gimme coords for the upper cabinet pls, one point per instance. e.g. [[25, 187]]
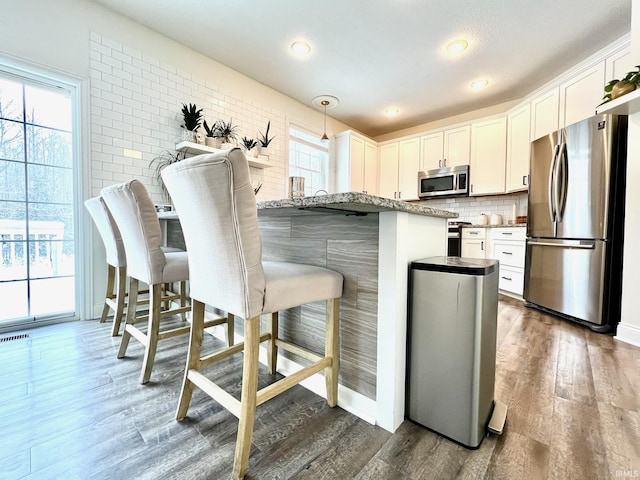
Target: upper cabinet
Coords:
[[356, 164], [518, 148], [544, 113], [389, 170], [488, 157], [580, 95], [432, 151], [618, 64], [408, 167], [457, 144]]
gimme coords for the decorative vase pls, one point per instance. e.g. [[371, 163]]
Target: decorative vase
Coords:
[[212, 142], [188, 136], [622, 88], [263, 150]]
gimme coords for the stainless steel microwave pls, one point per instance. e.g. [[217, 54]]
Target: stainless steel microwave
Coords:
[[444, 181]]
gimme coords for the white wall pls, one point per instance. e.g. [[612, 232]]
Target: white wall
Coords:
[[629, 327]]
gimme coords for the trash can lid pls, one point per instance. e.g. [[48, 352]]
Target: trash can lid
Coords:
[[459, 265]]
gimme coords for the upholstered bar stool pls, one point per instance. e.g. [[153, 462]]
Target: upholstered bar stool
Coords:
[[137, 220], [217, 207], [116, 262]]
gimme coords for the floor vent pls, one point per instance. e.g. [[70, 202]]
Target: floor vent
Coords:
[[14, 337]]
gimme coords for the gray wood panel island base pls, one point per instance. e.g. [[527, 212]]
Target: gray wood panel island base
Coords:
[[371, 242]]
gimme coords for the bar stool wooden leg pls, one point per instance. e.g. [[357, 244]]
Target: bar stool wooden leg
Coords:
[[121, 294], [183, 299], [272, 350], [248, 398], [111, 274], [193, 357], [332, 350], [230, 329], [131, 316], [155, 307]]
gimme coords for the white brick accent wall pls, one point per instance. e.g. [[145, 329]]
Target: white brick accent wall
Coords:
[[136, 102]]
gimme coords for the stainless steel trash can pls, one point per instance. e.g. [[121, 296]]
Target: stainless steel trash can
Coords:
[[451, 346]]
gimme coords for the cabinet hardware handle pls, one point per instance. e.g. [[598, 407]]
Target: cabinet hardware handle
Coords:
[[364, 191], [524, 180], [481, 245], [395, 194], [439, 163], [472, 188], [399, 194], [473, 233], [445, 162], [507, 233], [507, 253], [507, 278]]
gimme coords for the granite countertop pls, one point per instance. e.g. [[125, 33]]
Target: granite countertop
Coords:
[[343, 203], [348, 202], [496, 226]]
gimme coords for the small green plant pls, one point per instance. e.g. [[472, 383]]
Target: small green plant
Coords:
[[227, 131], [211, 131], [163, 160], [264, 139], [191, 116], [617, 88], [248, 143]]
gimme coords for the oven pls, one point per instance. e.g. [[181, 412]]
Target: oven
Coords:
[[454, 238]]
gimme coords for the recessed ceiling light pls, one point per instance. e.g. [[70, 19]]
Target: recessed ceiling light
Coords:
[[301, 48], [457, 46], [479, 84], [391, 111]]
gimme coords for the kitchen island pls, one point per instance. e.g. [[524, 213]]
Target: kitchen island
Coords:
[[371, 241]]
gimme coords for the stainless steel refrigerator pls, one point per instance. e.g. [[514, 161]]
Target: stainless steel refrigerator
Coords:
[[575, 222]]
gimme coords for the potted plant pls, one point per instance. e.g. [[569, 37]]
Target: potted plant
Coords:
[[227, 134], [192, 119], [213, 136], [249, 144], [617, 88], [165, 159], [265, 140]]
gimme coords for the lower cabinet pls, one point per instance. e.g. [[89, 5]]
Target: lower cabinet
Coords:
[[474, 242], [508, 247]]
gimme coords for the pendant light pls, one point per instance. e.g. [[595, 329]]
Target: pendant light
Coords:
[[324, 102]]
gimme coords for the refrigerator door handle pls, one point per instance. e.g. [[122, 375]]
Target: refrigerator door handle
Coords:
[[579, 244], [561, 181], [551, 186]]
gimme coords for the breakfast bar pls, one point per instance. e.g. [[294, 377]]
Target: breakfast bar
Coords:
[[371, 241]]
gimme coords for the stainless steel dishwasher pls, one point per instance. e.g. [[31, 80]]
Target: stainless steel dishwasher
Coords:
[[451, 346]]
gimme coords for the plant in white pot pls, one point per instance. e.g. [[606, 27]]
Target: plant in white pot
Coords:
[[228, 134], [249, 145], [265, 140], [191, 121], [213, 135]]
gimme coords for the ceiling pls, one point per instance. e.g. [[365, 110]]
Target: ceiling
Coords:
[[373, 54]]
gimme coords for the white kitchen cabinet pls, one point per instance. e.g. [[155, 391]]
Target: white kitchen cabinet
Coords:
[[618, 65], [474, 242], [399, 165], [457, 146], [488, 156], [544, 113], [389, 170], [518, 148], [580, 95], [356, 163], [432, 151], [507, 245], [408, 167]]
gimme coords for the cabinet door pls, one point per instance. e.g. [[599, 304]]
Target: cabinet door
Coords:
[[473, 248], [618, 64], [457, 144], [518, 148], [544, 113], [431, 153], [488, 156], [389, 170], [370, 169], [408, 166], [357, 165], [580, 95]]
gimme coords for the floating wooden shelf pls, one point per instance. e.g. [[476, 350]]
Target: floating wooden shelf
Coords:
[[197, 148]]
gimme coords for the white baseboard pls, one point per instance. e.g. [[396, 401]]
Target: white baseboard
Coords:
[[628, 334], [349, 400]]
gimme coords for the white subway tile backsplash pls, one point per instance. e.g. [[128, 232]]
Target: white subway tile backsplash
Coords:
[[469, 208]]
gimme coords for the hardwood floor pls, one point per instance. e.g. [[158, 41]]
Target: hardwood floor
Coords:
[[70, 409]]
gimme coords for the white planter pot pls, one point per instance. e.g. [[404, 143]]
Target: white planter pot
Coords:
[[188, 135], [212, 142]]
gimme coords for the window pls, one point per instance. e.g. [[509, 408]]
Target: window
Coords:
[[308, 158]]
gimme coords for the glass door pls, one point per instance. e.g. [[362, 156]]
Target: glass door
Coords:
[[37, 263]]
